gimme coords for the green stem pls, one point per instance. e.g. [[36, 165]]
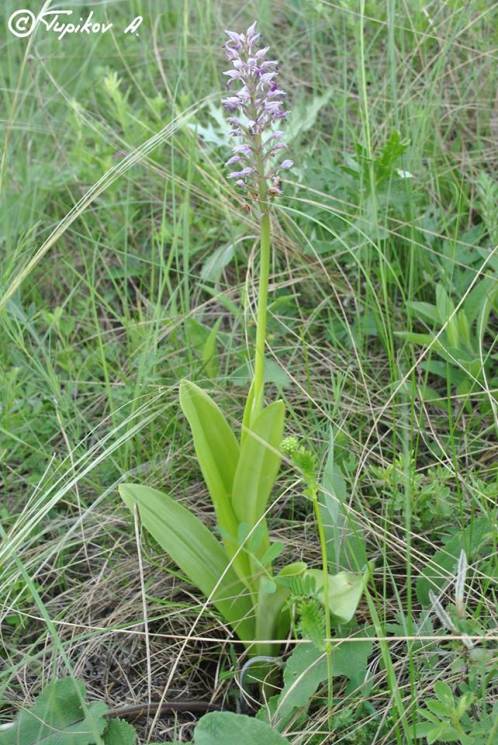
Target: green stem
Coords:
[[262, 313], [258, 383], [328, 625]]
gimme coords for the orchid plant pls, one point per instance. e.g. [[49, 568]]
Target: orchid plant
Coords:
[[234, 570]]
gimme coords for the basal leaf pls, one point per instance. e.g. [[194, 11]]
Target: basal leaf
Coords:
[[226, 728], [442, 370], [217, 451], [59, 716], [480, 297], [215, 443], [447, 316], [427, 311], [463, 329], [456, 355], [119, 732], [196, 551], [452, 332], [413, 338], [258, 464], [444, 304]]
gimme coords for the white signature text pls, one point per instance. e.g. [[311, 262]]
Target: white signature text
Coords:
[[23, 22]]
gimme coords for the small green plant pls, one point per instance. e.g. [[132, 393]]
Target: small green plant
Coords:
[[476, 540], [456, 718], [306, 670], [456, 336], [448, 719], [240, 469], [432, 498], [62, 716]]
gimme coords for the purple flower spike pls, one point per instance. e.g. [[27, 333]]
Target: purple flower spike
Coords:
[[241, 174], [257, 106]]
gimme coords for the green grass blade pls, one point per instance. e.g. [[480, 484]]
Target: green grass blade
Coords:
[[344, 537]]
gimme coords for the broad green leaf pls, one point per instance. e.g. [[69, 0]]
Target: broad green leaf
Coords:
[[489, 304], [304, 114], [442, 567], [444, 304], [487, 190], [119, 732], [452, 333], [196, 551], [217, 451], [306, 670], [345, 542], [258, 464], [272, 553], [216, 130], [215, 443], [296, 569], [413, 338], [274, 373], [344, 592], [427, 311], [423, 729], [196, 334], [226, 728], [437, 708], [429, 715], [464, 387], [216, 262], [480, 297], [463, 329], [443, 370], [59, 716], [332, 477], [462, 360], [432, 397], [384, 163]]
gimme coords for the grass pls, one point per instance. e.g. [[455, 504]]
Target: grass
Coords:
[[123, 244]]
